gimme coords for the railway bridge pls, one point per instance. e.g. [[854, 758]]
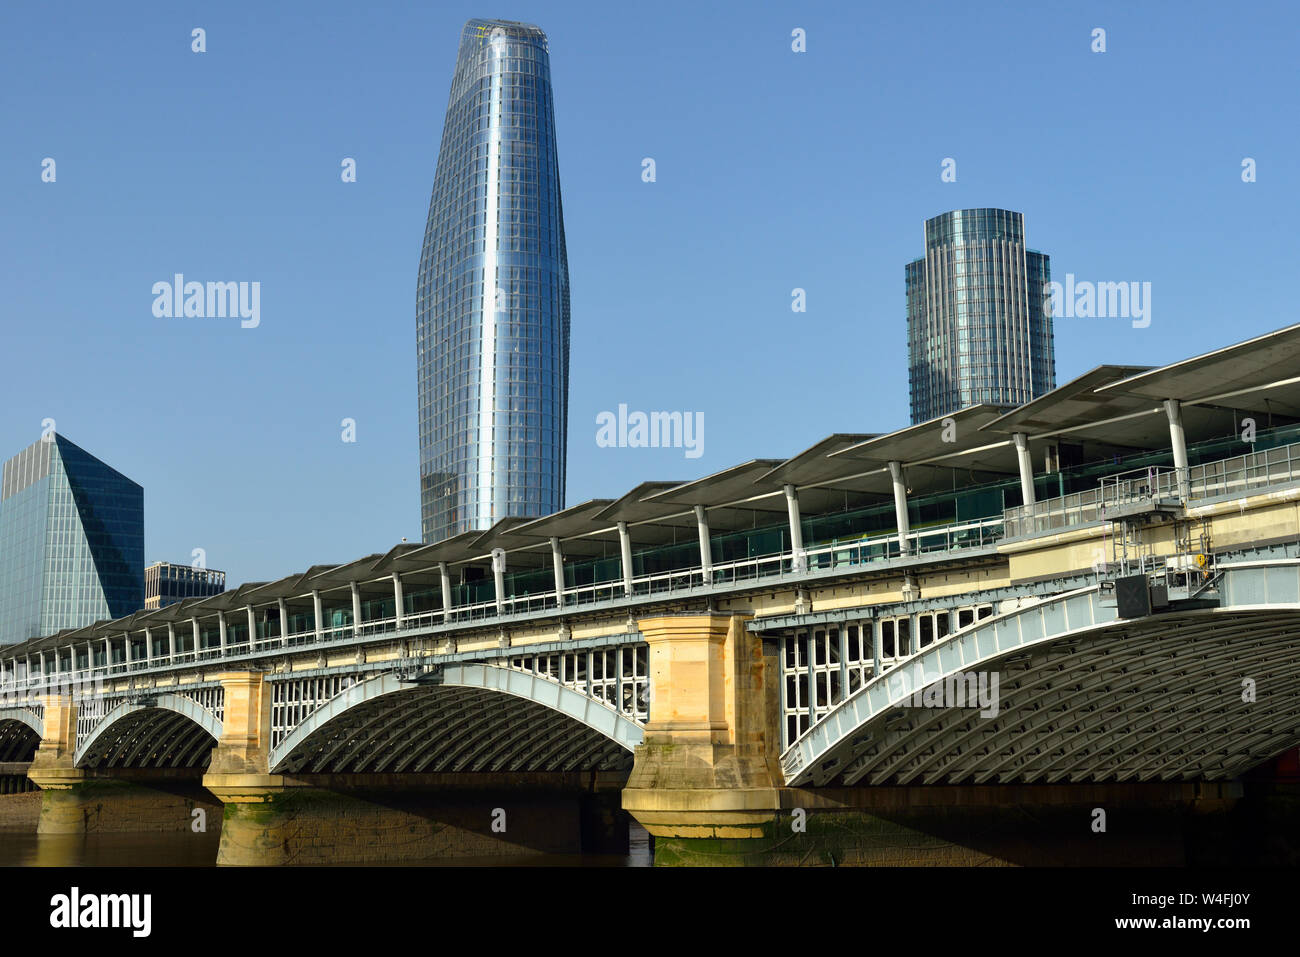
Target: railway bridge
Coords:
[[953, 643]]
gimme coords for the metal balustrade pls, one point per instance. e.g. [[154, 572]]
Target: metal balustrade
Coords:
[[827, 557], [1230, 476]]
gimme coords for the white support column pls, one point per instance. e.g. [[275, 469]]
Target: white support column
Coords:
[[171, 640], [706, 550], [1178, 442], [252, 628], [399, 603], [900, 506], [1026, 467], [625, 549], [317, 612], [499, 579], [284, 619], [221, 629], [126, 646], [195, 623], [557, 568], [148, 648], [108, 655], [445, 575], [356, 608], [796, 527]]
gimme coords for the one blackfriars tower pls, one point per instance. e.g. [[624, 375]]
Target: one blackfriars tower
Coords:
[[979, 323], [492, 300]]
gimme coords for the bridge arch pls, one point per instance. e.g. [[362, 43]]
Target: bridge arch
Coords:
[[462, 717], [159, 731], [1084, 696], [21, 731]]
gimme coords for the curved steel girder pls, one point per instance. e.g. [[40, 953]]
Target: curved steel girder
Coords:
[[92, 749], [538, 699], [481, 723], [18, 739], [23, 716], [1151, 682], [1115, 672], [377, 718], [934, 738], [452, 711]]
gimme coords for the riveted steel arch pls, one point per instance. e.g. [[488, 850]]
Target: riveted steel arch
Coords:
[[431, 732], [1085, 695], [21, 731], [182, 735], [24, 716]]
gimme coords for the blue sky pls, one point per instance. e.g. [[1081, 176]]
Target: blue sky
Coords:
[[775, 170]]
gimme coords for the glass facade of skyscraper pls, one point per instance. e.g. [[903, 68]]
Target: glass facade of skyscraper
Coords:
[[492, 299], [979, 324], [71, 541]]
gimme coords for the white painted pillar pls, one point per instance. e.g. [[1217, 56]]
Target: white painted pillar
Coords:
[[1026, 467], [1178, 442], [317, 612], [499, 579], [557, 568], [445, 575], [284, 618], [171, 640], [148, 647], [108, 655], [399, 604], [796, 527], [252, 628], [706, 550], [221, 629], [625, 549], [126, 642], [195, 623], [900, 506], [356, 608]]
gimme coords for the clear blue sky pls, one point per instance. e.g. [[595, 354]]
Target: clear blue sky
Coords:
[[775, 170]]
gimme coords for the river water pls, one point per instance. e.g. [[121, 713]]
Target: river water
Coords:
[[184, 849]]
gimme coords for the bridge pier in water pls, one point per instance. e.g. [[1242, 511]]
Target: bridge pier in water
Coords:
[[708, 787], [393, 818], [80, 801]]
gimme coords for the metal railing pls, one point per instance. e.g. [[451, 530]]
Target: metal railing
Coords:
[[1230, 476], [832, 556]]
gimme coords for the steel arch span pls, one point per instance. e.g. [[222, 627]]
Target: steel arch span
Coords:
[[21, 730], [460, 718], [160, 731], [1082, 695]]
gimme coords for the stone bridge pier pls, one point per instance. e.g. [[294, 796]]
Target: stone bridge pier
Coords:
[[79, 800], [307, 817]]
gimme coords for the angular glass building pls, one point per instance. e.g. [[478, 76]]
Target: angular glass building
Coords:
[[71, 541], [492, 299], [979, 324]]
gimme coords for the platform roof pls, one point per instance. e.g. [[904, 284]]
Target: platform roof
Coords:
[[1109, 409]]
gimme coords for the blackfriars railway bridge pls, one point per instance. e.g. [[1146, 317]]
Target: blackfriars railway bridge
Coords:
[[759, 665]]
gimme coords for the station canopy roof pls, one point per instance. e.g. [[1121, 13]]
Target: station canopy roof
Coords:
[[1112, 409]]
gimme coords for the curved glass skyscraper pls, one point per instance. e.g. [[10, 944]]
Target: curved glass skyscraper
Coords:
[[979, 327], [492, 300]]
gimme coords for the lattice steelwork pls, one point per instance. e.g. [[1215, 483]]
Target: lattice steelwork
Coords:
[[620, 677], [212, 698], [823, 666], [294, 699], [492, 299], [91, 711]]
